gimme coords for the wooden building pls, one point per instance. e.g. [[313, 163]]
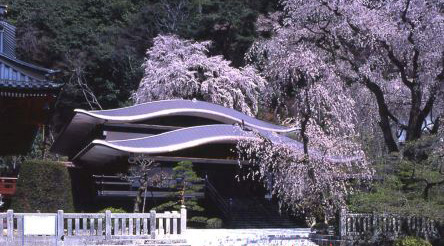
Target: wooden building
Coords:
[[102, 143], [27, 94]]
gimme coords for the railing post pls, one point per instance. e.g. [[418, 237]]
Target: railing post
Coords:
[[343, 223], [10, 224], [107, 225], [153, 224], [60, 226], [183, 219], [375, 224], [167, 223]]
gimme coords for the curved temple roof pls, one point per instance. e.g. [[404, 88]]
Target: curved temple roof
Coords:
[[156, 109], [101, 151], [166, 142], [78, 132]]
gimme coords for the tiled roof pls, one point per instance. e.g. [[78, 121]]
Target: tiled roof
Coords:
[[29, 85], [9, 41], [27, 65]]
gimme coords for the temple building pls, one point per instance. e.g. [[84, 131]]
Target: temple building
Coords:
[[27, 94], [101, 143]]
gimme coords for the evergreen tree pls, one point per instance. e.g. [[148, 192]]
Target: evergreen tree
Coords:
[[186, 186]]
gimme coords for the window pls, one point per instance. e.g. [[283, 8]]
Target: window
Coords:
[[1, 38], [7, 72]]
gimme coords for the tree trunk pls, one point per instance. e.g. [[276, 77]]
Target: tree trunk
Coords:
[[384, 124], [306, 115], [415, 118], [304, 134], [384, 115], [436, 125], [138, 199]]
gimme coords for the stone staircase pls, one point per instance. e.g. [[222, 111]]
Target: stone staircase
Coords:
[[253, 213], [244, 210]]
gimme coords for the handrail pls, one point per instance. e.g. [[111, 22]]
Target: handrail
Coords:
[[107, 177], [108, 184], [8, 178], [218, 199], [354, 225]]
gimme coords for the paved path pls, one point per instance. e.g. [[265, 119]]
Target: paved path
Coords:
[[243, 237]]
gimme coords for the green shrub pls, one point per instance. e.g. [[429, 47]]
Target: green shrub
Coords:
[[44, 186], [411, 241], [321, 228], [113, 210], [197, 221], [214, 223]]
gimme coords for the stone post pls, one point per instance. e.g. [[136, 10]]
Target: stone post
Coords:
[[153, 224], [183, 219], [10, 224], [60, 226], [107, 225], [343, 223], [375, 224]]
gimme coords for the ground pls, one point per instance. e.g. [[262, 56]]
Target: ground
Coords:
[[238, 237]]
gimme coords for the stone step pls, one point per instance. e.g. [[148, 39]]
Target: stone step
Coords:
[[150, 244], [260, 227], [259, 218], [250, 237], [262, 223], [253, 213], [265, 222], [259, 222], [147, 242]]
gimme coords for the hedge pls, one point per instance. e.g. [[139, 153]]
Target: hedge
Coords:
[[411, 241], [44, 186]]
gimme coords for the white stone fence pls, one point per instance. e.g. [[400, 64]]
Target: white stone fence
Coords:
[[356, 226], [74, 228]]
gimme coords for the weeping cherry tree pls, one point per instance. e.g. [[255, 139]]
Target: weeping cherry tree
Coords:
[[178, 68], [390, 53]]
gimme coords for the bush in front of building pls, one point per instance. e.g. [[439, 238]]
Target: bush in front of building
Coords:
[[44, 186], [214, 223], [411, 241], [113, 210]]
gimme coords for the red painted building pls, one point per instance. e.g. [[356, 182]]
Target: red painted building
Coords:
[[27, 95]]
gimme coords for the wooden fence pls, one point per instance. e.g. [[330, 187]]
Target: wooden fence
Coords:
[[89, 228], [355, 226]]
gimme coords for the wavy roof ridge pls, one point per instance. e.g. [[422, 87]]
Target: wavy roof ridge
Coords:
[[183, 107]]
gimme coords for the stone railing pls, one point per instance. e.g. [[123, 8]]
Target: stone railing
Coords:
[[356, 226], [90, 228], [220, 202]]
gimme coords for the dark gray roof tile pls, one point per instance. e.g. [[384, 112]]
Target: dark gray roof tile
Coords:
[[29, 85]]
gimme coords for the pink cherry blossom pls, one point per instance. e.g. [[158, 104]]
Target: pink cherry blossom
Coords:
[[178, 68]]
